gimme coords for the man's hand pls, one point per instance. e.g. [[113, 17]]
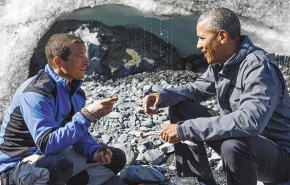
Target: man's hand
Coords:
[[104, 155], [169, 133], [101, 108], [149, 101]]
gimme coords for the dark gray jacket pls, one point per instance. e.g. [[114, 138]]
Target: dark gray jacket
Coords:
[[251, 93]]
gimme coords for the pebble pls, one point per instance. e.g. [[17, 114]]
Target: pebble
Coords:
[[114, 115]]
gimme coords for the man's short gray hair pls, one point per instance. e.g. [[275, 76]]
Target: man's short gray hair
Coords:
[[222, 19]]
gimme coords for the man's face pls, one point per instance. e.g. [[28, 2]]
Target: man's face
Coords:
[[76, 64], [209, 44]]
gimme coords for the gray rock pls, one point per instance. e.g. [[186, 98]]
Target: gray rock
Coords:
[[129, 151], [140, 158], [141, 148], [144, 174], [155, 88], [139, 110], [96, 133], [167, 148], [219, 166], [157, 142], [146, 129], [123, 138], [148, 124], [164, 84], [106, 138], [155, 156], [115, 115], [172, 167], [133, 119]]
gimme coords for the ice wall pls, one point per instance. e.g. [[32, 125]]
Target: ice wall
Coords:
[[179, 31], [23, 23]]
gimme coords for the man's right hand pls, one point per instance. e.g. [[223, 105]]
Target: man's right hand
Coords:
[[103, 156], [149, 101], [101, 108]]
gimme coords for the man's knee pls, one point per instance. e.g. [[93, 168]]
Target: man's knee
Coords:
[[181, 107], [119, 156], [60, 168], [180, 111], [232, 149], [118, 160]]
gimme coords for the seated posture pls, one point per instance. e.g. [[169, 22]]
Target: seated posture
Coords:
[[44, 135], [251, 131]]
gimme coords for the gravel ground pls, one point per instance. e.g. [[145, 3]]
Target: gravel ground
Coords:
[[127, 117]]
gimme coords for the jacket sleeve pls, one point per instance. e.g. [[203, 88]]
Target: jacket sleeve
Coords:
[[38, 113], [202, 89], [87, 145], [261, 95]]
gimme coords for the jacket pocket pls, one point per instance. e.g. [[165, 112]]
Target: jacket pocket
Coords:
[[234, 94]]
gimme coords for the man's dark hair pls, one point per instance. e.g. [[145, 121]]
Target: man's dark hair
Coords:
[[58, 45], [222, 19]]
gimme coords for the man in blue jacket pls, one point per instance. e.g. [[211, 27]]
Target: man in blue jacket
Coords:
[[44, 136], [252, 131]]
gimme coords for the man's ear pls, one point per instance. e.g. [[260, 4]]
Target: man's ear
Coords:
[[223, 35], [57, 60]]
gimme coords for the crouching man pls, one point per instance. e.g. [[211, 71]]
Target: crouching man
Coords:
[[252, 131]]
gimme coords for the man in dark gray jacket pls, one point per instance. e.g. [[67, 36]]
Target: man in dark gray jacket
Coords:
[[252, 131]]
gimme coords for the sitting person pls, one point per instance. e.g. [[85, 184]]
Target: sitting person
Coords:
[[44, 136]]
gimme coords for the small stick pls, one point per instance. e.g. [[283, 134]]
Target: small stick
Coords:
[[143, 134]]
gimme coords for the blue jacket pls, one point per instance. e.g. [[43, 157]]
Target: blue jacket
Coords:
[[44, 117], [251, 93]]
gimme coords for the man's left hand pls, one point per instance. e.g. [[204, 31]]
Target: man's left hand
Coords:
[[169, 133]]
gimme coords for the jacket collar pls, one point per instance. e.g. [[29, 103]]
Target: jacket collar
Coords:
[[63, 82], [244, 49]]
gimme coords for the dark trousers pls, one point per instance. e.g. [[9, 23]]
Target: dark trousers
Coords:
[[245, 160]]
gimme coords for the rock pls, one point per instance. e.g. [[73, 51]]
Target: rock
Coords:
[[123, 138], [130, 154], [167, 148], [141, 174], [114, 115], [139, 110], [219, 166], [112, 51], [148, 124], [142, 148], [172, 167], [194, 62], [106, 138], [214, 158], [155, 156]]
